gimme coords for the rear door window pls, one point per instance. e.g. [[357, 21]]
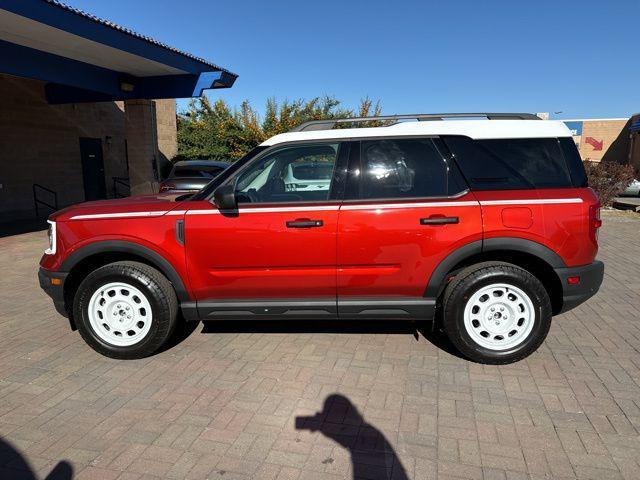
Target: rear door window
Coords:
[[509, 164], [404, 168]]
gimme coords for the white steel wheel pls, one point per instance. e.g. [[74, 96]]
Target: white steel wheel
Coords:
[[120, 314], [499, 316]]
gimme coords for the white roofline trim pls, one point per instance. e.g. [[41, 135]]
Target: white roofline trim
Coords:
[[476, 129]]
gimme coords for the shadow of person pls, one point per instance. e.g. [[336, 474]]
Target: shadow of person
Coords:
[[372, 456], [15, 466]]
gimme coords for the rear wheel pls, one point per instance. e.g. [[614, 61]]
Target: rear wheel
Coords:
[[496, 312], [125, 310]]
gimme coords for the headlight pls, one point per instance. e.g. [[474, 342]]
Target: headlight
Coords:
[[52, 238]]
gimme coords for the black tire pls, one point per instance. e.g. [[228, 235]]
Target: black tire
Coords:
[[158, 291], [472, 279]]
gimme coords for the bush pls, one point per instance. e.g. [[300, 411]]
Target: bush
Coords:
[[216, 131], [608, 179]]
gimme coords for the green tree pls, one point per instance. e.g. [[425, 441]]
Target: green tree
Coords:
[[217, 132]]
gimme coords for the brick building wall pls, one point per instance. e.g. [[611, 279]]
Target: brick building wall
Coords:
[[39, 143], [167, 127], [607, 132]]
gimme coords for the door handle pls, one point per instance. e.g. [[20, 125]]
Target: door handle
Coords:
[[304, 223], [433, 220]]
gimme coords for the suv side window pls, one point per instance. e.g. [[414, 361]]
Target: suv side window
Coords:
[[510, 164], [404, 168], [300, 173]]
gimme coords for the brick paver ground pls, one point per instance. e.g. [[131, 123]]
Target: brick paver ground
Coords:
[[223, 403]]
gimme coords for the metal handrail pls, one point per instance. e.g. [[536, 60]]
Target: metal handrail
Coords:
[[122, 181], [330, 123], [37, 201]]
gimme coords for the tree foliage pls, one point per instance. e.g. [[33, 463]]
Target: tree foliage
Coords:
[[608, 179], [217, 132]]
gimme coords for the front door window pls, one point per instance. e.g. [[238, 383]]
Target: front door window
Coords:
[[292, 174]]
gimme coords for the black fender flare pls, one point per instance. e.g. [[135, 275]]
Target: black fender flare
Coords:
[[490, 244], [123, 246]]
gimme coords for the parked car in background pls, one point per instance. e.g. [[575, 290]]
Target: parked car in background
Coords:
[[192, 175], [633, 190]]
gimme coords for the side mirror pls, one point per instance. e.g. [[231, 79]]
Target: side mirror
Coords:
[[224, 197]]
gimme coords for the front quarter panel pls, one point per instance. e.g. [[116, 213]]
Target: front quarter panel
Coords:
[[155, 233]]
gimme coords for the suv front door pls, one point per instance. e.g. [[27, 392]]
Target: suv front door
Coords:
[[406, 208], [276, 255]]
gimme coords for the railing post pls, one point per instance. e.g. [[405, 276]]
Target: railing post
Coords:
[[37, 201]]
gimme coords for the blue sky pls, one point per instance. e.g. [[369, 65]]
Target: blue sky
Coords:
[[578, 57]]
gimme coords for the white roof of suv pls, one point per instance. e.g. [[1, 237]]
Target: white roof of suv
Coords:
[[476, 129]]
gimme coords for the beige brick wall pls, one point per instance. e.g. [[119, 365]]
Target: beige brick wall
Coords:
[[143, 145], [606, 131], [167, 128], [39, 143]]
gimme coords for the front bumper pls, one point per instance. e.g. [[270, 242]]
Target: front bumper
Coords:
[[56, 292], [590, 280]]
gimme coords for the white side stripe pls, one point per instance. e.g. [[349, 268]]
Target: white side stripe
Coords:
[[533, 201], [381, 206], [118, 215], [332, 208], [325, 208]]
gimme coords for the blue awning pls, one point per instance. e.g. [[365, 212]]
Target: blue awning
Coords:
[[635, 125], [83, 58]]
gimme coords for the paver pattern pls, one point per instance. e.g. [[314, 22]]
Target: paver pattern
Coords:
[[223, 402]]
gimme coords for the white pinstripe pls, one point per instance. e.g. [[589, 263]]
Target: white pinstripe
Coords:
[[347, 207]]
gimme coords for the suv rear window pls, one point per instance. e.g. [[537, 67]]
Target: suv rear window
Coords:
[[510, 164]]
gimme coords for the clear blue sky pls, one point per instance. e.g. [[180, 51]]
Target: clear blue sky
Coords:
[[578, 57]]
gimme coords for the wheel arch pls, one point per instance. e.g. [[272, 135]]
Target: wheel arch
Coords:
[[97, 254], [532, 256]]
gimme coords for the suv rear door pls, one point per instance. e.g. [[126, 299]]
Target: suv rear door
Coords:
[[277, 254], [406, 208]]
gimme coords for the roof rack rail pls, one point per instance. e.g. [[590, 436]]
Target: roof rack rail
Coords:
[[330, 123]]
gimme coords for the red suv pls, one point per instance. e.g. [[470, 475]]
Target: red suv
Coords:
[[485, 226]]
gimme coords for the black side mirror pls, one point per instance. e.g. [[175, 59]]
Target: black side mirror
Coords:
[[224, 197]]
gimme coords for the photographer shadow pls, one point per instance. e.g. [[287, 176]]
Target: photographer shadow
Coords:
[[372, 456], [14, 466]]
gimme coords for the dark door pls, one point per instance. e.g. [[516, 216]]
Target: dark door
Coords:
[[92, 168]]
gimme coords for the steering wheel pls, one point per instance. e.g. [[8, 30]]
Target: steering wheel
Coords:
[[252, 193]]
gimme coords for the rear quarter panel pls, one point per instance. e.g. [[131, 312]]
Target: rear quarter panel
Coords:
[[558, 219]]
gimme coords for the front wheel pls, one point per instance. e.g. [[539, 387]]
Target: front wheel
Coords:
[[125, 310], [496, 312]]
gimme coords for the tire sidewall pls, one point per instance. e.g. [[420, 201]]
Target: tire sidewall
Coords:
[[100, 278], [455, 309]]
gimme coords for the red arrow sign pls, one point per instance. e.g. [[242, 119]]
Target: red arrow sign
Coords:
[[597, 145]]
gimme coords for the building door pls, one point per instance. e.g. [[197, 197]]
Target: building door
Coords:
[[92, 168]]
